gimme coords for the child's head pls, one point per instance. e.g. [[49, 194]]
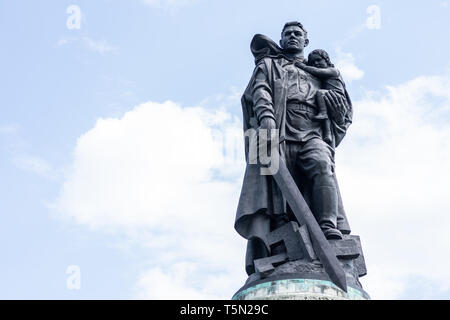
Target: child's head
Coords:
[[320, 59]]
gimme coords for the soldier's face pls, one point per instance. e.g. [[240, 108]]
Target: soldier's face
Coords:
[[293, 39]]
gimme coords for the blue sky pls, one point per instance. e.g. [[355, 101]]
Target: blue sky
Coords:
[[58, 82]]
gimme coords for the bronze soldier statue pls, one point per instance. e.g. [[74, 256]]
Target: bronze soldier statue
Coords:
[[283, 96]]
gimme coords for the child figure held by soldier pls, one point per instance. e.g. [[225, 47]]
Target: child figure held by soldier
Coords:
[[320, 66]]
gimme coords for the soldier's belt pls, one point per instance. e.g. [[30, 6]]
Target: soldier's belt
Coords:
[[300, 107]]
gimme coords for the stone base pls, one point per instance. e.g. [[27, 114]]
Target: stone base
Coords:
[[281, 277], [299, 289]]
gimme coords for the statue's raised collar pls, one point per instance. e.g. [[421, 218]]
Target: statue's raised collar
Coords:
[[264, 47]]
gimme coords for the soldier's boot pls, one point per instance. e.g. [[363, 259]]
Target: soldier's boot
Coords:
[[326, 210]]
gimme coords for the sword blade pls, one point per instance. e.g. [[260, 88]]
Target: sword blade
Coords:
[[304, 215]]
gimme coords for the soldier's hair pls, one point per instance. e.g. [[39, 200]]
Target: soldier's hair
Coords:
[[323, 54], [295, 23]]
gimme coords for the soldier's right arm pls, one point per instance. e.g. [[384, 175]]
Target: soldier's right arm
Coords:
[[262, 94]]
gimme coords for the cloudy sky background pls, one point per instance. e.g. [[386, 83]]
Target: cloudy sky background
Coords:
[[121, 143]]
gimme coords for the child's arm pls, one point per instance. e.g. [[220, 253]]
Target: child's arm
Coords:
[[319, 72]]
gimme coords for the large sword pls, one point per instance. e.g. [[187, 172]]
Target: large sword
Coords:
[[301, 210]]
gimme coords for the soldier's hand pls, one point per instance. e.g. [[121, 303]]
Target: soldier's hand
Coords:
[[267, 123], [336, 105]]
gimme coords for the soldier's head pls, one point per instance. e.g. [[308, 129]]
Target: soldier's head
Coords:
[[294, 37]]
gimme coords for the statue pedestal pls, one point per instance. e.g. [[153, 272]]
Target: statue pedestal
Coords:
[[305, 278], [299, 289]]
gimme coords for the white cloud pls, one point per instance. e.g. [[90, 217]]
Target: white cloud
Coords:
[[345, 62], [394, 170], [99, 46], [35, 165], [62, 42], [169, 4], [182, 281], [17, 150], [165, 176], [8, 129]]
